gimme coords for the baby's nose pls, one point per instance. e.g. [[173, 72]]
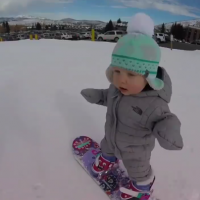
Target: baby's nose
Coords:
[[123, 79]]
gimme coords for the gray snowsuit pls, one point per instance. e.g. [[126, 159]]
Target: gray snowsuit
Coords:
[[132, 124]]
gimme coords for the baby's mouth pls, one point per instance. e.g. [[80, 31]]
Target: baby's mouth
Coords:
[[122, 89]]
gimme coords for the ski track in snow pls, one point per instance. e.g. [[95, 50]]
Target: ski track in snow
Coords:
[[42, 111]]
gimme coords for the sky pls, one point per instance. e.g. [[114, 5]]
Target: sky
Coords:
[[162, 11]]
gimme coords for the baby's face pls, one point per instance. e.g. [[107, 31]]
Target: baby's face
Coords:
[[128, 82]]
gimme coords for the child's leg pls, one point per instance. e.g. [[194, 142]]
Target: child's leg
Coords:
[[106, 148], [141, 177], [138, 170], [105, 160]]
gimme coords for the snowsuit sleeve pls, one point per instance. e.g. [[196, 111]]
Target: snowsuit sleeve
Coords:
[[166, 129], [95, 96]]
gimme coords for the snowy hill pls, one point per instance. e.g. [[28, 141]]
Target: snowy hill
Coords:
[[26, 17], [29, 20], [2, 19], [195, 22], [42, 111], [82, 21]]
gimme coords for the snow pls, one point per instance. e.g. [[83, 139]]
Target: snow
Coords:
[[42, 111]]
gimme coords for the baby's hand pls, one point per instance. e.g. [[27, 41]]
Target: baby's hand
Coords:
[[91, 95]]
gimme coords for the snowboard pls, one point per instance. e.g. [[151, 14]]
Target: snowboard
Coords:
[[85, 150]]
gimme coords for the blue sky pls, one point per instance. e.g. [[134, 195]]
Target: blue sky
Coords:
[[160, 10]]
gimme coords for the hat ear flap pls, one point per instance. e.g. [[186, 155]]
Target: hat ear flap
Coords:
[[109, 74], [156, 84]]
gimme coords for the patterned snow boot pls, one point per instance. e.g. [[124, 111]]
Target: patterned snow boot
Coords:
[[135, 190], [103, 164]]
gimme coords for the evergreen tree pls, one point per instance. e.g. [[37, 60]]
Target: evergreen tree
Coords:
[[163, 30], [53, 27], [119, 21], [109, 26], [178, 31], [4, 25], [7, 28], [38, 26]]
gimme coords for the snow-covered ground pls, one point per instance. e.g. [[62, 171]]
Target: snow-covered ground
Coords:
[[42, 111]]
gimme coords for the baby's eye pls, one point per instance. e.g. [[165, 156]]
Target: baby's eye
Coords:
[[131, 74], [117, 71]]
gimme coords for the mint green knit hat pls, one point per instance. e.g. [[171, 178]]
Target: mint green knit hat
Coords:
[[137, 51]]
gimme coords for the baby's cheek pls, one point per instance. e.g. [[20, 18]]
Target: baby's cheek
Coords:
[[136, 88], [115, 80]]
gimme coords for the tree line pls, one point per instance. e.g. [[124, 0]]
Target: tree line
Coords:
[[177, 30], [109, 26], [51, 27], [5, 27]]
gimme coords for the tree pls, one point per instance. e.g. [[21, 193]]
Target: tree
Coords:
[[109, 26], [38, 26], [4, 25], [178, 31], [53, 27], [1, 29], [7, 28], [163, 29], [119, 21]]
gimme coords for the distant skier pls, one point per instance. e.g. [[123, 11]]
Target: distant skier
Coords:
[[137, 107]]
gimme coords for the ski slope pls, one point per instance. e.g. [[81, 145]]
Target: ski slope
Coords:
[[42, 111]]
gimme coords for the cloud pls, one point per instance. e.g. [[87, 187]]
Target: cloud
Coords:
[[114, 6], [172, 6], [99, 6], [119, 6], [8, 7]]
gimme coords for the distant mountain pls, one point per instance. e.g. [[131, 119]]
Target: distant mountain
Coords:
[[29, 20], [2, 19], [17, 18], [24, 17], [195, 22], [70, 20]]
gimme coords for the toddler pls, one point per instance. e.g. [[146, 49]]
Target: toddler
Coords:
[[137, 107]]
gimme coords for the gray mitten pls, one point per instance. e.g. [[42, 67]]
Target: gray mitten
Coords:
[[91, 95]]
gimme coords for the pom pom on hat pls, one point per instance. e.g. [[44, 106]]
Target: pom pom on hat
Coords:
[[141, 23]]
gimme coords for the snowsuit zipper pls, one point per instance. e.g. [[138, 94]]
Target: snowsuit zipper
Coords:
[[114, 124]]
